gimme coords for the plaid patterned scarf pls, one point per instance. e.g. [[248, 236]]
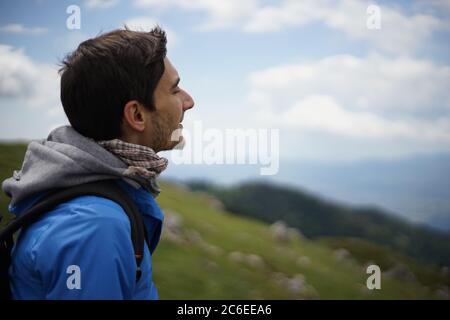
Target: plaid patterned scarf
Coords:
[[142, 161]]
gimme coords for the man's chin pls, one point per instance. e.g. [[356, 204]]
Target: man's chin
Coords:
[[176, 145], [176, 141]]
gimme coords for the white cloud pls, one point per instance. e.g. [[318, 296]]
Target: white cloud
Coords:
[[101, 4], [344, 106], [29, 95], [389, 87], [17, 28], [286, 14], [220, 14], [36, 85], [322, 114]]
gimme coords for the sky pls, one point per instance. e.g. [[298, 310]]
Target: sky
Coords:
[[342, 81]]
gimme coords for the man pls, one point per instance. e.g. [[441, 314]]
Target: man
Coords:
[[122, 98]]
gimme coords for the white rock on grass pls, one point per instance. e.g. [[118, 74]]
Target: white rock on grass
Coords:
[[303, 261], [251, 260], [173, 221], [296, 285], [284, 234], [236, 257], [255, 261], [341, 254], [212, 249], [401, 272], [443, 293]]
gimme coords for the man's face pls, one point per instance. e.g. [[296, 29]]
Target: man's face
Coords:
[[170, 103]]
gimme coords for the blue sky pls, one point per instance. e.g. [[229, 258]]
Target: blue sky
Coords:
[[338, 91]]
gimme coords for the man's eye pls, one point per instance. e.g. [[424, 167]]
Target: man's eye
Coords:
[[176, 90]]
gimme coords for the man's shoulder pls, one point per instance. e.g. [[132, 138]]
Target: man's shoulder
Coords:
[[81, 217], [87, 209]]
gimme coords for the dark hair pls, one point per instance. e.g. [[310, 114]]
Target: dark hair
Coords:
[[106, 72]]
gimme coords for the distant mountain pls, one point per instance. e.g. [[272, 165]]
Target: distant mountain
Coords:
[[316, 217], [414, 187], [439, 221]]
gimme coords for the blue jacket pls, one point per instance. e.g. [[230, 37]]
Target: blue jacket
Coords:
[[82, 250]]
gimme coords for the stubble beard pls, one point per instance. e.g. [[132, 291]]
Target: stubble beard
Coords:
[[165, 138]]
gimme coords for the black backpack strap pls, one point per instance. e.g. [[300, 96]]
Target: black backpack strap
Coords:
[[106, 189], [6, 245]]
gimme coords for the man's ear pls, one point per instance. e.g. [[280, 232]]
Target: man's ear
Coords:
[[133, 114]]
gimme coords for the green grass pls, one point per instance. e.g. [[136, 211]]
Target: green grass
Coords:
[[364, 252], [190, 269], [11, 156], [183, 270]]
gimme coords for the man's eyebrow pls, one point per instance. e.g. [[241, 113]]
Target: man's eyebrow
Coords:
[[175, 84]]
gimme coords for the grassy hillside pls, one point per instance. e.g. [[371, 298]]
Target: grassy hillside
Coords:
[[211, 260], [208, 253], [11, 157], [316, 217]]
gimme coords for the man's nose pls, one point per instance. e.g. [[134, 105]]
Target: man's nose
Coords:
[[188, 102]]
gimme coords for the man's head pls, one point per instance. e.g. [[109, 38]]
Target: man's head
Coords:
[[121, 85]]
